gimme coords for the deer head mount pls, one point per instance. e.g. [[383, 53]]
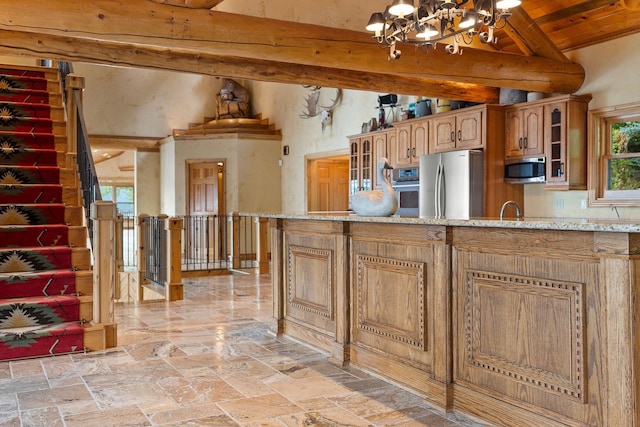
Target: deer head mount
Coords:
[[313, 108]]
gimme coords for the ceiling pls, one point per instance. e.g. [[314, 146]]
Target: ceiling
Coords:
[[573, 24]]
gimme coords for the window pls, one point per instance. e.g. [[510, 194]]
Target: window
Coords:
[[614, 156], [122, 195]]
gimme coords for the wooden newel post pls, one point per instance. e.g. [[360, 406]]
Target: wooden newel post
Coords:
[[174, 287], [103, 215], [263, 248], [142, 255], [73, 83]]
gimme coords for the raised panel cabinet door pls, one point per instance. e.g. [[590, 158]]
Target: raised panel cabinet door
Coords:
[[513, 133], [420, 143], [469, 132], [443, 135], [533, 120], [391, 147], [380, 149], [403, 145]]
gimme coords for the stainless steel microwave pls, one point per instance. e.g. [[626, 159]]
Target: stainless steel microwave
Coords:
[[524, 171]]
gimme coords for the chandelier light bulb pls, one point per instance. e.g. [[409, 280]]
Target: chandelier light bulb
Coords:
[[376, 23], [428, 32], [468, 20], [401, 8]]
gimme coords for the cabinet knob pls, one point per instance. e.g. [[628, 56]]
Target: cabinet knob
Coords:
[[520, 143], [459, 135], [408, 153], [453, 136], [525, 143]]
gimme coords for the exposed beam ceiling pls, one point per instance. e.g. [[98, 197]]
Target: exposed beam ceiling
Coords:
[[223, 44]]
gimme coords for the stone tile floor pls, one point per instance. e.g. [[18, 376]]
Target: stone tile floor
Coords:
[[208, 360]]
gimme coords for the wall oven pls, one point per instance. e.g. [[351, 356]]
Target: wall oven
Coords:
[[406, 183]]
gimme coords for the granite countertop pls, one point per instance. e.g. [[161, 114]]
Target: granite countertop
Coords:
[[570, 224]]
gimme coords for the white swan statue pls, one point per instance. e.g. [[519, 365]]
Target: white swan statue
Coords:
[[377, 202]]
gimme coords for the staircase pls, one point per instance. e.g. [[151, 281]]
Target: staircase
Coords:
[[46, 279]]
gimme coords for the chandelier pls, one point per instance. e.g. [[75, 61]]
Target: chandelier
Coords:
[[432, 21]]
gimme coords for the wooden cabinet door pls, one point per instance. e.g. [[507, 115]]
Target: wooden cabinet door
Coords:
[[354, 165], [533, 131], [380, 149], [443, 133], [469, 130], [360, 164], [513, 133], [403, 145], [420, 140], [555, 131], [524, 132]]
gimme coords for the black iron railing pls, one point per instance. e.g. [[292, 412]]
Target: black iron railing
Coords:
[[86, 169], [212, 242], [156, 260], [208, 242]]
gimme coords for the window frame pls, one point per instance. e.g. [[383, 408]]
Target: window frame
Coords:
[[599, 153], [114, 192]]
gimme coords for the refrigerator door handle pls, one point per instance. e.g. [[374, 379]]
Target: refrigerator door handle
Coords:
[[438, 192], [443, 193]]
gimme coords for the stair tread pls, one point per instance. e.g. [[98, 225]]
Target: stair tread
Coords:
[[62, 299], [31, 332]]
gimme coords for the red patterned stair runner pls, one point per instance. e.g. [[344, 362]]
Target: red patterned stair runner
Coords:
[[39, 306]]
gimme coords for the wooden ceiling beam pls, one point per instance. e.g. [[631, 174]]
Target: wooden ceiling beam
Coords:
[[528, 36], [166, 30], [194, 4], [124, 143], [126, 55]]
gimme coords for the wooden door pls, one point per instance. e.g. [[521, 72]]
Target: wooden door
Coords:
[[206, 209], [203, 189], [328, 185]]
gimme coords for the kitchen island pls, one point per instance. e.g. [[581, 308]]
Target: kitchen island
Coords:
[[520, 323]]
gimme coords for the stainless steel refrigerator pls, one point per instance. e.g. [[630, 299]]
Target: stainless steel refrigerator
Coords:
[[451, 184]]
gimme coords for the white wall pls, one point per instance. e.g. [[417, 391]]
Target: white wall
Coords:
[[147, 183], [139, 102], [252, 172]]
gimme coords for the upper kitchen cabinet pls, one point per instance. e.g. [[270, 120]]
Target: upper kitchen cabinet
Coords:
[[565, 137], [524, 131], [360, 163], [458, 130], [411, 141], [382, 141]]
